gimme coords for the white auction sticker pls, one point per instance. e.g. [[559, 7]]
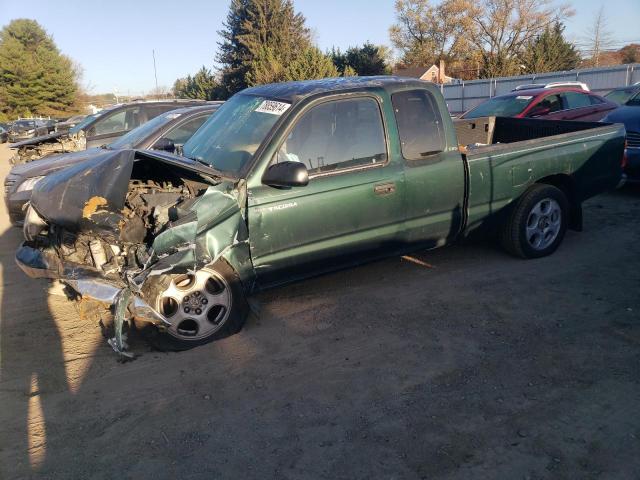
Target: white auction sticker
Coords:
[[524, 97], [273, 107]]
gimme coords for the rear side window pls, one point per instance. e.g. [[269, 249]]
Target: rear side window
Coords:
[[186, 130], [154, 110], [336, 135], [419, 124], [121, 121], [576, 100], [595, 100]]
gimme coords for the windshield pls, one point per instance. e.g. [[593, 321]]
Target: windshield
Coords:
[[621, 96], [500, 107], [25, 123], [88, 119], [228, 140], [138, 134]]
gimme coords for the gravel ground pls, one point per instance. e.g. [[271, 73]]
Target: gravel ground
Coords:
[[483, 366]]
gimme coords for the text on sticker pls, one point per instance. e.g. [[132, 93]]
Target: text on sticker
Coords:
[[273, 107]]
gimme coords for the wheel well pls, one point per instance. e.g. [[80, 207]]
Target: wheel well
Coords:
[[567, 185]]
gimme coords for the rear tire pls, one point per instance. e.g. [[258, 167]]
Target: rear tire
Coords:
[[537, 224], [216, 320]]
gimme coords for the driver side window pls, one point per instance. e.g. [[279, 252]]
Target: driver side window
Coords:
[[337, 135], [549, 104]]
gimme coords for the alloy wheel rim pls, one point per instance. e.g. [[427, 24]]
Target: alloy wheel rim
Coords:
[[543, 224], [197, 305]]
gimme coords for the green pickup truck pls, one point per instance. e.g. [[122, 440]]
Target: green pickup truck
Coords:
[[294, 179]]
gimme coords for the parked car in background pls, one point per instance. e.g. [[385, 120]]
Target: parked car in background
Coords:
[[4, 134], [530, 86], [557, 103], [623, 94], [167, 132], [26, 128], [95, 130], [66, 125], [629, 115]]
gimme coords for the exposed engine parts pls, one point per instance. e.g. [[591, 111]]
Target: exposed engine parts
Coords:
[[63, 144], [120, 227]]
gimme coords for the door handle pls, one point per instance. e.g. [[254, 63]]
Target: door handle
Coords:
[[384, 188]]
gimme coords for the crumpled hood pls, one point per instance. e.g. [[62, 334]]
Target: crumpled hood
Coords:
[[45, 166], [62, 196], [630, 116], [37, 140], [90, 197]]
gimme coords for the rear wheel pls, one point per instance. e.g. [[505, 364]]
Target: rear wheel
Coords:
[[537, 224], [202, 307]]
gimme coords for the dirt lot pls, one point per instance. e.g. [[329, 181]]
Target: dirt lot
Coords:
[[481, 367]]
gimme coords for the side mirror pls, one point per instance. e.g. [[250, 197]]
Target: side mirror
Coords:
[[165, 145], [286, 174]]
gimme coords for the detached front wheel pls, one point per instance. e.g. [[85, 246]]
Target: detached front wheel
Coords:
[[538, 222], [202, 307]]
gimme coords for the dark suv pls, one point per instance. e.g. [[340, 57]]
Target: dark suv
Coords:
[[98, 129]]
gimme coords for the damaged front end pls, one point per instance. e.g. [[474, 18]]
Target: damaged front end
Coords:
[[39, 147], [116, 228]]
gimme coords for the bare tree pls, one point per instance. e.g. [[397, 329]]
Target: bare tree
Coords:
[[505, 27], [598, 38], [425, 34]]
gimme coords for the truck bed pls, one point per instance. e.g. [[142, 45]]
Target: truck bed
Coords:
[[504, 156]]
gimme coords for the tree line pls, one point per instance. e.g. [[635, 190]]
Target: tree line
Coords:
[[264, 41]]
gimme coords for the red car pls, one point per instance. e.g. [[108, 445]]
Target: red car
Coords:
[[563, 103]]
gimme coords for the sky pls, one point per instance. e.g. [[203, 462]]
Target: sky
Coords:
[[113, 40]]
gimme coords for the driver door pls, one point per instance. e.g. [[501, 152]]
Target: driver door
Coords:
[[351, 206]]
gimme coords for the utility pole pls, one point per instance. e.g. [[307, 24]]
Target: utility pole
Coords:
[[155, 72]]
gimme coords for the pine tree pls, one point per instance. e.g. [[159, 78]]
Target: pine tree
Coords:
[[365, 60], [203, 85], [258, 33], [35, 78], [550, 52]]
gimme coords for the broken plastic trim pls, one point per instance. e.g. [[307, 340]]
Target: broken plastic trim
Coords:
[[118, 342]]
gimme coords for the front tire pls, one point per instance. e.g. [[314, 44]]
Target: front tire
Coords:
[[538, 222], [202, 307]]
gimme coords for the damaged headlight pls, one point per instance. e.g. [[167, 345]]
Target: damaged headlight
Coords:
[[33, 224], [29, 184]]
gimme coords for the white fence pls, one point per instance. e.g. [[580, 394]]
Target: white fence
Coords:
[[462, 96]]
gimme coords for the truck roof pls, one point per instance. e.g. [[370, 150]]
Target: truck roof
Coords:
[[293, 92]]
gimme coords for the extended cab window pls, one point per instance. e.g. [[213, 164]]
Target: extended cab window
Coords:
[[337, 134], [419, 124]]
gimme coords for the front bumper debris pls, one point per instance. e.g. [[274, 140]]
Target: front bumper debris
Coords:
[[45, 264]]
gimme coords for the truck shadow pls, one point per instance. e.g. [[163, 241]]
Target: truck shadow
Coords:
[[32, 365]]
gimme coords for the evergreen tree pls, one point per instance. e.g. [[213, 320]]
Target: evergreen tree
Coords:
[[259, 33], [550, 52], [35, 78], [366, 60], [203, 85], [309, 64]]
